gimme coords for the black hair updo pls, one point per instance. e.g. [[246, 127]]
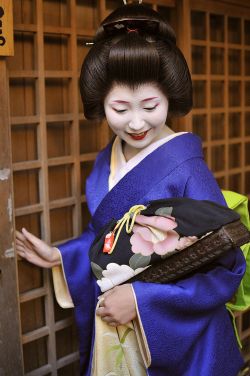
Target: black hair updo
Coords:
[[134, 46]]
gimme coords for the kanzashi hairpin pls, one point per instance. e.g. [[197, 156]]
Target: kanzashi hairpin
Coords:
[[131, 30], [125, 2]]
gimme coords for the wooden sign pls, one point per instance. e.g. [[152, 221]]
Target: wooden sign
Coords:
[[6, 28]]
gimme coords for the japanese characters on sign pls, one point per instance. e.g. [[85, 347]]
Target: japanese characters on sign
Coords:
[[6, 28]]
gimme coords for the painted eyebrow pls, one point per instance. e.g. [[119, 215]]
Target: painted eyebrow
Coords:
[[144, 100], [118, 101], [149, 99]]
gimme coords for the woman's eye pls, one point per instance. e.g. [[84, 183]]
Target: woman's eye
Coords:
[[119, 111], [150, 108]]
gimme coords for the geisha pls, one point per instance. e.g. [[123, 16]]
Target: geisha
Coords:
[[136, 77]]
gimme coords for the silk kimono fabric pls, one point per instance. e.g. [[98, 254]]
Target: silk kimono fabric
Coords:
[[187, 327], [119, 351]]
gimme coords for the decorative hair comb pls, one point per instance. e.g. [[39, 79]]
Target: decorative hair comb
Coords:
[[125, 2], [129, 25], [135, 24]]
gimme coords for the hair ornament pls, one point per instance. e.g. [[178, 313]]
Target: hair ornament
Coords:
[[132, 30], [125, 2], [128, 25]]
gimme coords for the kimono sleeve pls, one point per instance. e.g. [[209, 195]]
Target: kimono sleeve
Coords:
[[83, 290], [187, 327], [77, 266]]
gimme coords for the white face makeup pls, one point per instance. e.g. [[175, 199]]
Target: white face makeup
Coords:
[[137, 116]]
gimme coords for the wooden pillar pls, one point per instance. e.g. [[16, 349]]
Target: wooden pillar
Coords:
[[10, 343]]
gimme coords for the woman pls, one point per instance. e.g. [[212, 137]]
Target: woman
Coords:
[[136, 77]]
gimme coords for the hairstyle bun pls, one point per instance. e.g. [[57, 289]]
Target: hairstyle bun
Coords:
[[134, 46], [146, 20]]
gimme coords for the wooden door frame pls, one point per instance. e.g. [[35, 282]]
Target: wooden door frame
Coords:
[[10, 332]]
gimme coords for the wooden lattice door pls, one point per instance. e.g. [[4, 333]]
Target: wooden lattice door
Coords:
[[53, 150], [54, 147], [220, 63]]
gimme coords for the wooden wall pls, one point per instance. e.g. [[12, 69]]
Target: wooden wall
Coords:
[[54, 146], [220, 63]]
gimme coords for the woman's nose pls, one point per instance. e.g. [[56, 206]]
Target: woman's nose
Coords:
[[136, 124]]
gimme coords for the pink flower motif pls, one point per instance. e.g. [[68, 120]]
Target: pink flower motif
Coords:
[[154, 234]]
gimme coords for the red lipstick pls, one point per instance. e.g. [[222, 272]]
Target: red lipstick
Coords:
[[138, 136]]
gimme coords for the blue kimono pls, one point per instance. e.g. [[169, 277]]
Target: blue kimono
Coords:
[[188, 329]]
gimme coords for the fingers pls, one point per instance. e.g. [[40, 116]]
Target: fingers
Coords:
[[104, 315], [104, 312], [19, 236], [36, 242], [101, 311], [20, 250], [22, 240], [32, 257], [110, 321], [107, 293]]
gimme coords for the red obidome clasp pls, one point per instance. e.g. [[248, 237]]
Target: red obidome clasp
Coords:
[[108, 242]]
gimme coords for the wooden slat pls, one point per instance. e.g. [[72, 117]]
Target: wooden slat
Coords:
[[214, 77], [58, 74], [58, 161], [32, 294], [77, 220], [25, 27], [85, 33], [57, 30], [62, 362], [24, 74], [35, 334], [58, 117], [31, 209], [183, 40], [15, 120], [61, 241], [63, 202], [27, 165], [62, 324], [43, 186], [244, 3], [245, 334], [217, 7], [87, 157], [42, 371]]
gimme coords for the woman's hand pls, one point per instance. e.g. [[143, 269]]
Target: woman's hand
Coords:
[[118, 305], [36, 251]]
